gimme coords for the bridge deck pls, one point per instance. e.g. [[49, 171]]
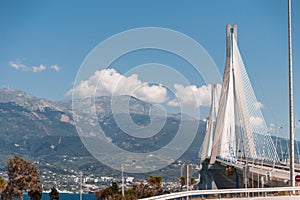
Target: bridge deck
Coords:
[[276, 172]]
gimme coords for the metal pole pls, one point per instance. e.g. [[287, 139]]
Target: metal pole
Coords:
[[187, 179], [257, 180], [292, 159], [252, 181], [123, 193], [80, 192], [181, 170]]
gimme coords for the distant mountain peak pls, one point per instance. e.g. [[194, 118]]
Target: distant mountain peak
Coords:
[[26, 100], [9, 94]]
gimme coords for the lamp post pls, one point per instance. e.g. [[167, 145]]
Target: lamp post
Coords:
[[291, 103], [122, 174], [80, 192], [181, 166], [123, 192]]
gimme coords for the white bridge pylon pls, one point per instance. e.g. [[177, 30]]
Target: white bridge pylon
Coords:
[[236, 127]]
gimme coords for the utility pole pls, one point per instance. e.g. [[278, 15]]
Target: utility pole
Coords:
[[291, 106], [123, 193], [187, 179], [80, 192]]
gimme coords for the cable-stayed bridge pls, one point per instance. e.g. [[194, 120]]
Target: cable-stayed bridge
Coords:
[[237, 150]]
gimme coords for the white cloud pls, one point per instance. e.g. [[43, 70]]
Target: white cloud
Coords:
[[18, 65], [257, 123], [174, 103], [297, 126], [38, 68], [55, 68], [272, 128], [154, 93], [109, 82], [259, 105], [192, 95]]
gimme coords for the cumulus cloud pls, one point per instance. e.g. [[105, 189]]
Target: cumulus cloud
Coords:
[[272, 128], [108, 82], [55, 68], [259, 105], [38, 68], [257, 122], [18, 65], [192, 95]]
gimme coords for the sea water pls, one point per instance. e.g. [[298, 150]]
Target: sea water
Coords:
[[66, 196]]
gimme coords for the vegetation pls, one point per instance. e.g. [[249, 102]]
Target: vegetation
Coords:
[[182, 181], [155, 185], [141, 190], [19, 112], [3, 184], [111, 192], [54, 194], [35, 195], [22, 177]]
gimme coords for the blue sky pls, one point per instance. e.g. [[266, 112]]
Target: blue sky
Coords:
[[49, 40]]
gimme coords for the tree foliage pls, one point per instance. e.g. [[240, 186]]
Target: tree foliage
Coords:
[[155, 181], [141, 190], [3, 184], [109, 193], [35, 195], [155, 184], [22, 177], [54, 194], [181, 181]]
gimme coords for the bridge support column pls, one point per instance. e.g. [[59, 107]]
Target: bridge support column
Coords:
[[207, 181]]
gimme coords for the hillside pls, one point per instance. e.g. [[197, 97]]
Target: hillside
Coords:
[[44, 131]]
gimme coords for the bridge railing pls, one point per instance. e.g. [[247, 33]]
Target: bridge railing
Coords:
[[242, 192]]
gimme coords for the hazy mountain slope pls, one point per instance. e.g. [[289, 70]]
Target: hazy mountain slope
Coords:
[[44, 131]]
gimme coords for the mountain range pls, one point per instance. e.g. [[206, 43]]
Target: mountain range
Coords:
[[44, 131]]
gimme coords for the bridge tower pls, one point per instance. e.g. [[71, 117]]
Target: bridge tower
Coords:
[[231, 31], [233, 131], [238, 130], [236, 133]]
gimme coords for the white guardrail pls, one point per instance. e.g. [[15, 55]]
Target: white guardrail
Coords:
[[202, 193]]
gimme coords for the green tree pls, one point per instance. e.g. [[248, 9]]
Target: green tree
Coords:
[[35, 195], [115, 188], [22, 177], [104, 194], [181, 181], [143, 190], [192, 181], [108, 193], [155, 183], [54, 194], [130, 195], [3, 184]]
